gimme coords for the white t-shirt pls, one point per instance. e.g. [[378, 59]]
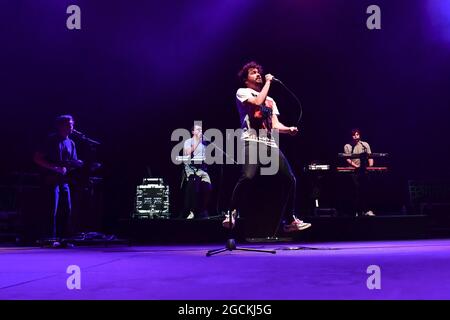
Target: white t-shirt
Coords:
[[247, 114], [199, 151], [198, 157], [359, 148]]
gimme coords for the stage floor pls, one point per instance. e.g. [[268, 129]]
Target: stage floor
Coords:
[[418, 269]]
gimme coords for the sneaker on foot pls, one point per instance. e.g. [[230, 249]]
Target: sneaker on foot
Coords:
[[190, 216], [226, 223], [369, 213], [56, 244], [296, 225]]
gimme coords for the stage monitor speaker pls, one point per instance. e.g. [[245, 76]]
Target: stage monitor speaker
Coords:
[[152, 200]]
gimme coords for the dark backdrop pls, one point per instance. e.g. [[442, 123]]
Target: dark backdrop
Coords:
[[139, 69]]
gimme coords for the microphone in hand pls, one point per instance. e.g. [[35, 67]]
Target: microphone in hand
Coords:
[[270, 77], [276, 80]]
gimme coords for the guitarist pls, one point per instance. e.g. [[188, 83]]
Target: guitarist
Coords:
[[57, 156]]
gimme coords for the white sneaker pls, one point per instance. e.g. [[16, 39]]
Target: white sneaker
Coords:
[[369, 213], [190, 216], [56, 244], [227, 221], [296, 225]]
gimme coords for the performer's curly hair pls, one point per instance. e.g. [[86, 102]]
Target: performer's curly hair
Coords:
[[243, 73]]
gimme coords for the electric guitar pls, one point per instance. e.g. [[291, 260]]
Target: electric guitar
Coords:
[[54, 178]]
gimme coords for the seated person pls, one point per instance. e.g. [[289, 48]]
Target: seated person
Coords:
[[198, 188]]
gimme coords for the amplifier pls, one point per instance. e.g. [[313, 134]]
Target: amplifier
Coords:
[[147, 181], [152, 202]]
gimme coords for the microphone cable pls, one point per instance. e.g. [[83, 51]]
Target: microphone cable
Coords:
[[296, 99]]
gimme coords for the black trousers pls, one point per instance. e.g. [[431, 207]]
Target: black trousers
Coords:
[[250, 170], [196, 197], [360, 192], [60, 210]]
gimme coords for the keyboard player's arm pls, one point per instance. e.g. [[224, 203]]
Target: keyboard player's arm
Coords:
[[348, 150]]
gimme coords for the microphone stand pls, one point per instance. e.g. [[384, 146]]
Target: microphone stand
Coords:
[[221, 169], [85, 138], [364, 159], [90, 182]]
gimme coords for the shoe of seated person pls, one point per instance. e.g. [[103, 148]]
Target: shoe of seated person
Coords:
[[56, 244], [190, 216], [296, 225], [227, 223]]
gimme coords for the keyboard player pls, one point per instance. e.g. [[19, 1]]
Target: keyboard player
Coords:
[[360, 178], [198, 183]]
